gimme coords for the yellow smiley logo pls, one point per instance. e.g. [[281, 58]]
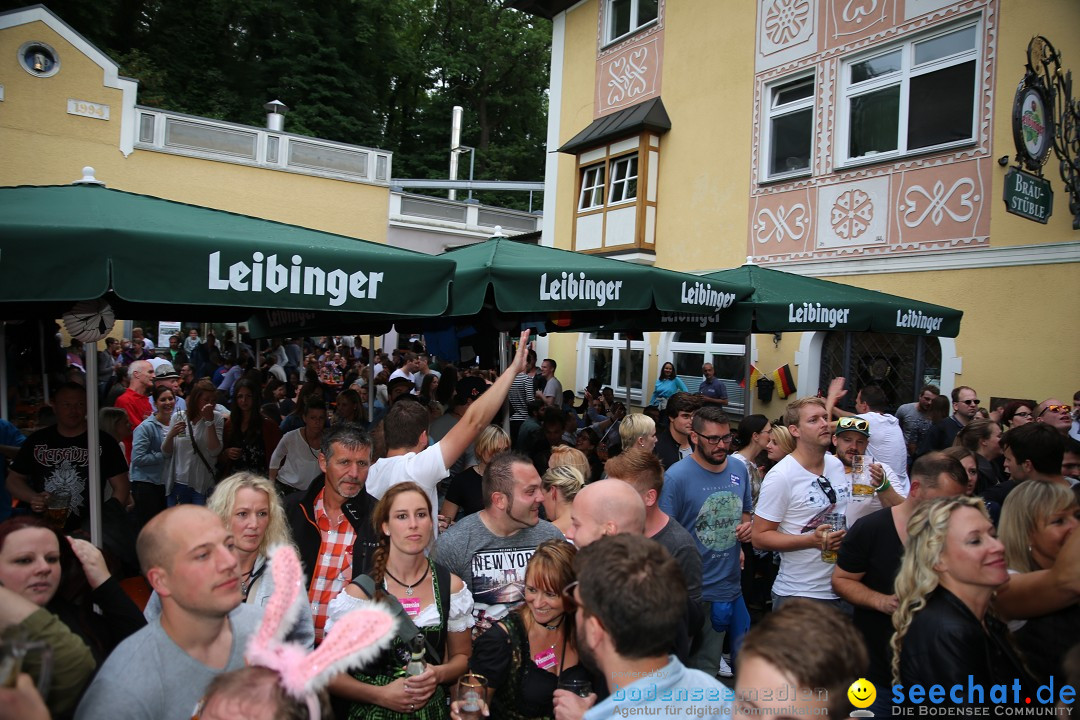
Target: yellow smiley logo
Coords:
[[862, 693]]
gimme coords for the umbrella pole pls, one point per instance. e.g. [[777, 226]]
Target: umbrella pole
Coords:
[[258, 357], [93, 446], [626, 376], [748, 397], [504, 361], [3, 374], [371, 378], [44, 370]]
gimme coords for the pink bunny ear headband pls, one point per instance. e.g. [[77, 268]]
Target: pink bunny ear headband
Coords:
[[355, 639]]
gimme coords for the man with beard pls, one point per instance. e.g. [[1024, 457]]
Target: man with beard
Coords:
[[796, 497], [162, 670], [331, 520], [880, 486], [489, 549], [711, 498], [629, 598]]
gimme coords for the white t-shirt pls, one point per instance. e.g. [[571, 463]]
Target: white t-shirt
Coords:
[[402, 374], [791, 496], [887, 444], [297, 462], [862, 505], [425, 468]]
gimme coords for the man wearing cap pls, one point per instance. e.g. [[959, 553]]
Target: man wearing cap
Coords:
[[468, 390], [881, 487], [167, 376]]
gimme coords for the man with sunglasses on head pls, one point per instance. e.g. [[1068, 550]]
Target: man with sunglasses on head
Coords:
[[711, 498], [886, 441], [965, 402], [883, 487], [796, 497]]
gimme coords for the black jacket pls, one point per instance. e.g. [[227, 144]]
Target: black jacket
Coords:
[[300, 512], [946, 643]]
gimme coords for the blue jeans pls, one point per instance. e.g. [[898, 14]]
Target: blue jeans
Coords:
[[184, 495], [734, 619]]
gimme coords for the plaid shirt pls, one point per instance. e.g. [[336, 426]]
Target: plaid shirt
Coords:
[[333, 569]]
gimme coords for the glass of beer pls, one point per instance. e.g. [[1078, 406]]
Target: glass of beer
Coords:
[[860, 477], [471, 695], [57, 508], [581, 688], [838, 521]]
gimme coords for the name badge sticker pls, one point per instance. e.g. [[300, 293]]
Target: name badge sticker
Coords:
[[411, 606], [545, 660]]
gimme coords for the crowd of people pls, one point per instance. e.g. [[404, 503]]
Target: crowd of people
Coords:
[[589, 563]]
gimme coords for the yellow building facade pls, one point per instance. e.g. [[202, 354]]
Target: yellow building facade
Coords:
[[75, 110], [853, 140]]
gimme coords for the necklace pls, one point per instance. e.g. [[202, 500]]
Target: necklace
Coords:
[[303, 434], [409, 588], [557, 624]]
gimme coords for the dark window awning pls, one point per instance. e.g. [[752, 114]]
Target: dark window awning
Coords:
[[649, 115]]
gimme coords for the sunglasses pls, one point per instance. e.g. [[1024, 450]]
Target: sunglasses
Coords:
[[969, 402], [852, 423], [1054, 408], [827, 488]]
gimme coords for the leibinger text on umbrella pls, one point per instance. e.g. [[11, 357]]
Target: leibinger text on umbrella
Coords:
[[817, 313], [703, 294], [296, 279], [915, 319], [579, 288]]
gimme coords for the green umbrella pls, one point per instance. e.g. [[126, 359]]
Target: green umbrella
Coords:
[[70, 243], [783, 302], [569, 288]]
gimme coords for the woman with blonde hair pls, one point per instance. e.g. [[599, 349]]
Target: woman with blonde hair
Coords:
[[465, 493], [564, 455], [946, 633], [251, 509], [1036, 521], [781, 443], [561, 484], [637, 430]]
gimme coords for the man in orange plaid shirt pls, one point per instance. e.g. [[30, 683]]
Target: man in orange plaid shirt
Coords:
[[331, 520]]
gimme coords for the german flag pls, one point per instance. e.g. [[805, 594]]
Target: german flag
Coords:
[[785, 383], [755, 374]]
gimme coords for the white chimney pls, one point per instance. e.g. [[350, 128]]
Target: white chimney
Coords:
[[275, 115]]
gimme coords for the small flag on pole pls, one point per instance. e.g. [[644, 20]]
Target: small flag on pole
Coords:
[[785, 383]]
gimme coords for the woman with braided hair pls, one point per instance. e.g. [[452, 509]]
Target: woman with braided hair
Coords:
[[946, 630], [437, 602]]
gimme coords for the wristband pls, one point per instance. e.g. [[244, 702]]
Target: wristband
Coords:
[[883, 486]]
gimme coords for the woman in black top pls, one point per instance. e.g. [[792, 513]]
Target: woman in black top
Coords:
[[530, 652], [946, 632]]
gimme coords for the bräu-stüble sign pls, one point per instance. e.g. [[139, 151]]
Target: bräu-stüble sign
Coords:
[[1028, 196]]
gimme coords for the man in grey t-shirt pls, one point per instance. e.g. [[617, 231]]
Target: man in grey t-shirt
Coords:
[[162, 670], [490, 549], [552, 392]]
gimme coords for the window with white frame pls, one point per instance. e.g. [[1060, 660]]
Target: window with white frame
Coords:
[[592, 187], [628, 16], [689, 351], [912, 97], [789, 127], [624, 174], [607, 359]]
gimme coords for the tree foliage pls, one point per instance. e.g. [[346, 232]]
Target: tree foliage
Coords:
[[380, 73]]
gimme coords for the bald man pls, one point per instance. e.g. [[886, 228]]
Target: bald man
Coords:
[[162, 670], [605, 507]]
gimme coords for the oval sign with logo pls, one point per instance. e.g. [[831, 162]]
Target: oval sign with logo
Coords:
[[1033, 126]]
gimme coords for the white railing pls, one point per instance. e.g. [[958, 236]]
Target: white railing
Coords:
[[207, 139]]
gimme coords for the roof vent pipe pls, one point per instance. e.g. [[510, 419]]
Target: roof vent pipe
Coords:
[[275, 115]]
